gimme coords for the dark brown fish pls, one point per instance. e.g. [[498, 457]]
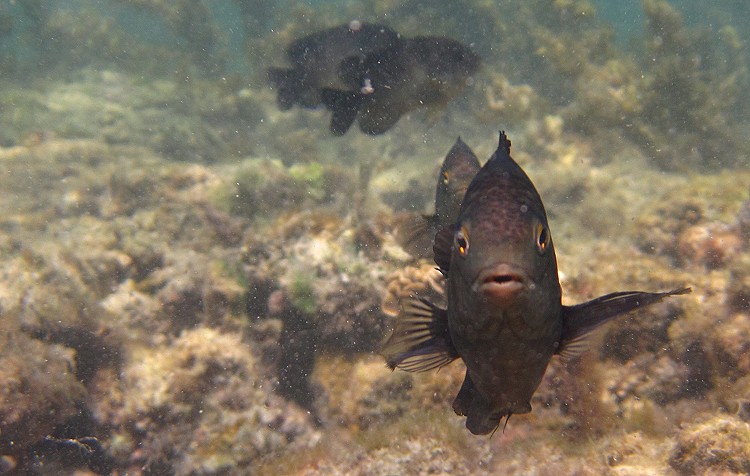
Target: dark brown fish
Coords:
[[425, 71], [317, 61], [372, 72], [459, 167], [504, 317]]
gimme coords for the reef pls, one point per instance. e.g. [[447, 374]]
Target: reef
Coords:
[[192, 282], [717, 445]]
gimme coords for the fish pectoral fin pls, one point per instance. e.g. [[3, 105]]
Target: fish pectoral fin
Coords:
[[415, 228], [441, 248], [344, 105], [571, 349], [414, 234], [420, 340], [581, 319]]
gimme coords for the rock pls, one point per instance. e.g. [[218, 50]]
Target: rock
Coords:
[[718, 446]]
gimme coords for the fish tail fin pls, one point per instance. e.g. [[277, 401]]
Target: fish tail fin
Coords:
[[344, 105], [581, 319], [287, 84], [420, 340]]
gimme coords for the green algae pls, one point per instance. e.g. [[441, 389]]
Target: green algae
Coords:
[[303, 292], [310, 177]]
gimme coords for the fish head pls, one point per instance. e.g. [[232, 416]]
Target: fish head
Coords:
[[508, 265], [459, 167], [439, 68], [502, 251]]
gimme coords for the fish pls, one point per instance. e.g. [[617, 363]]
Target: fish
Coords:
[[372, 74], [504, 316], [317, 61], [426, 71], [459, 167]]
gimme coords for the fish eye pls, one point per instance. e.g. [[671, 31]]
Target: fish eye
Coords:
[[541, 238], [445, 178], [462, 241]]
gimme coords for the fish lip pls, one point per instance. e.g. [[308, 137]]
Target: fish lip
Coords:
[[500, 282]]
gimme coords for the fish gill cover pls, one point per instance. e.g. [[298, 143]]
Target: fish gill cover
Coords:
[[193, 281]]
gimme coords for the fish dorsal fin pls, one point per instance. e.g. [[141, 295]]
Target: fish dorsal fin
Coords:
[[442, 248], [581, 319], [501, 157], [503, 146], [420, 340]]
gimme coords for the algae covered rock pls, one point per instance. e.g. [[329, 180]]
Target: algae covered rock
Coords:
[[426, 456], [203, 394], [718, 446], [39, 388], [38, 391]]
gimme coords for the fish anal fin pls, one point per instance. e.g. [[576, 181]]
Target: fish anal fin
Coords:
[[420, 340], [463, 401], [481, 418], [380, 113], [344, 105], [581, 319]]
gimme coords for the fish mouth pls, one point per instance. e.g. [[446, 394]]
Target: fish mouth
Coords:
[[500, 283]]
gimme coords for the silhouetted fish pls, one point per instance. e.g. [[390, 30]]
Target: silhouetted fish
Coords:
[[370, 71], [317, 61], [423, 72], [504, 317], [459, 167]]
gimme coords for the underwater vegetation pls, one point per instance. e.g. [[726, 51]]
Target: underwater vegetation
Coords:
[[692, 97], [195, 282]]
